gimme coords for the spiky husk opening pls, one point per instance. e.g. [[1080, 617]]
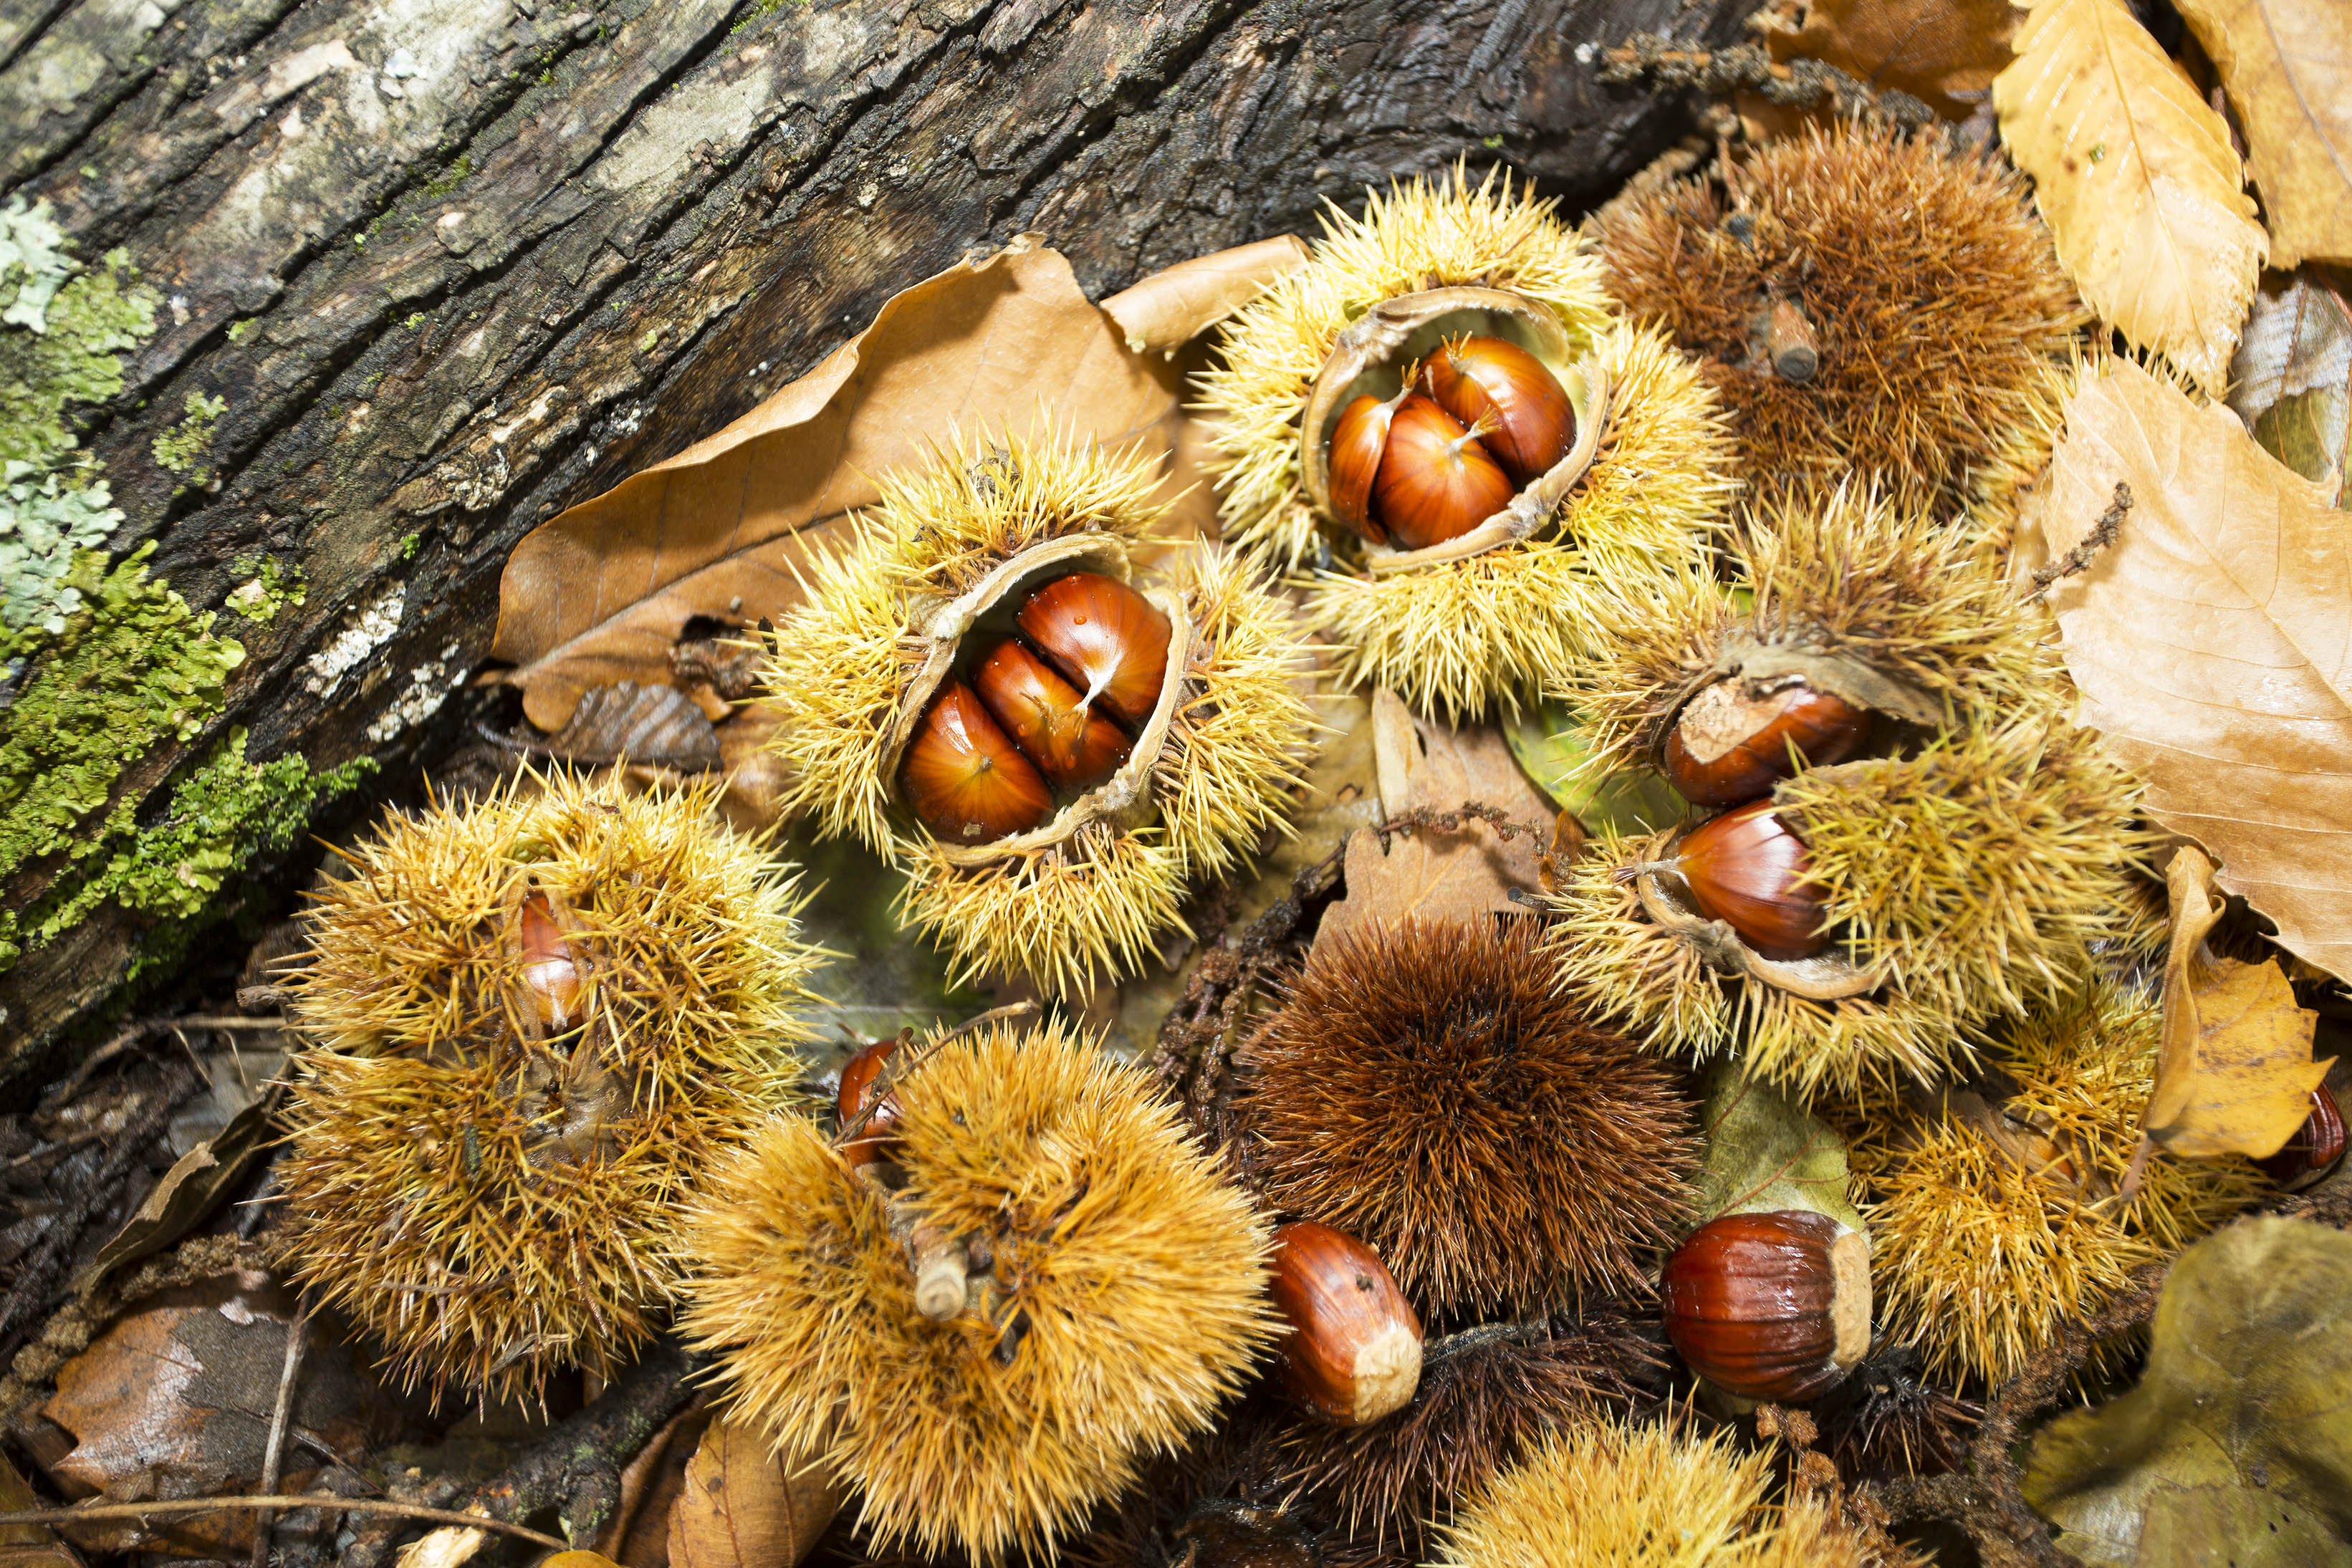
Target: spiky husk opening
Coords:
[[1937, 296], [1856, 575], [1093, 906], [494, 1206], [1980, 872], [1140, 1274], [1981, 1259], [1426, 1089], [1489, 1397], [1467, 636], [1423, 235]]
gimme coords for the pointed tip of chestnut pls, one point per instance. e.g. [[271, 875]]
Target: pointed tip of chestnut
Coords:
[[1730, 745], [1047, 718], [1436, 481], [1531, 421], [1354, 1353], [1770, 1306], [1104, 638]]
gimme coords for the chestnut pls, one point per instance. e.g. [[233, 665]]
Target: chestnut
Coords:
[[551, 981], [1106, 637], [1728, 747], [1747, 869], [1770, 1306], [1493, 384], [1357, 442], [1074, 747], [1353, 1354], [860, 1084], [1435, 481], [2315, 1149], [965, 779]]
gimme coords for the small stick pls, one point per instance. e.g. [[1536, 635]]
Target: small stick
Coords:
[[1789, 338], [326, 1501], [2079, 559], [297, 1334], [942, 1269]]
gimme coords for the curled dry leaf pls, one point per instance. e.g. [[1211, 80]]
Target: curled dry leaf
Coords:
[[2234, 1445], [1943, 52], [2235, 1075], [603, 593], [1173, 307], [2136, 175], [746, 1507], [2288, 67], [2212, 642], [1430, 875], [2291, 379]]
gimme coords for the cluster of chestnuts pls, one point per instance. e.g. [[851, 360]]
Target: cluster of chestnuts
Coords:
[[1054, 708], [1474, 424]]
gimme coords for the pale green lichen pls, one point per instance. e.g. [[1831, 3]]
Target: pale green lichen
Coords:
[[182, 449], [267, 588]]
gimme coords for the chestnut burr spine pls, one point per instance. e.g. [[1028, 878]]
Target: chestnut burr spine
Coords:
[[1770, 1306], [1747, 869], [1436, 482], [1726, 749], [965, 779], [1104, 636], [1494, 382], [1047, 718], [1354, 1351]]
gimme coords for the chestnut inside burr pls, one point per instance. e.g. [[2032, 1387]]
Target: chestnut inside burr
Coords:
[[1044, 700]]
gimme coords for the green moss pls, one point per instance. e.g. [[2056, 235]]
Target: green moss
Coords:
[[237, 330], [183, 448], [449, 179], [408, 543], [267, 588]]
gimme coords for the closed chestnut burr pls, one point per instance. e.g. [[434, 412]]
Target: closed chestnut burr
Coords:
[[965, 779], [1105, 637], [1770, 1306]]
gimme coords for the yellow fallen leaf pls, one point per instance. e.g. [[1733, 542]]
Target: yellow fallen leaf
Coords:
[[2138, 179], [2212, 641], [2236, 1075], [2288, 67]]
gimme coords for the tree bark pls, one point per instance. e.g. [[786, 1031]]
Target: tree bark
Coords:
[[455, 265]]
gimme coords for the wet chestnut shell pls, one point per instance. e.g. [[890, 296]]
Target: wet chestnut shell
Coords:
[[1072, 745], [1746, 868], [2315, 1149], [1750, 1302], [964, 777], [1104, 636], [1823, 729], [1357, 439], [1529, 422], [1436, 483], [860, 1081]]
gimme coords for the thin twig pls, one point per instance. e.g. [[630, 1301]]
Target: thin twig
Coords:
[[297, 1335], [2079, 559], [327, 1501], [140, 1031]]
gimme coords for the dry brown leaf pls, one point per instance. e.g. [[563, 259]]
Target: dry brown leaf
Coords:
[[744, 1507], [2212, 642], [2288, 67], [28, 1545], [603, 593], [2291, 379], [1430, 876], [1173, 307], [2136, 175], [1942, 52], [637, 1535], [2236, 1074]]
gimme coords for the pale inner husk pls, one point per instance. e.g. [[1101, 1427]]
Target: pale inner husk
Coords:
[[1370, 356], [1667, 899], [1125, 798]]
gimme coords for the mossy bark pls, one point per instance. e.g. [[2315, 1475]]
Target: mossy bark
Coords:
[[431, 270]]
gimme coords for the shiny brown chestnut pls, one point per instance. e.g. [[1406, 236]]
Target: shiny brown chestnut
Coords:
[[1747, 869], [1104, 636], [861, 1083], [1357, 442], [1495, 383], [1728, 747], [1071, 744], [1435, 481], [1353, 1354], [1770, 1306], [2314, 1150], [551, 981], [965, 779]]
